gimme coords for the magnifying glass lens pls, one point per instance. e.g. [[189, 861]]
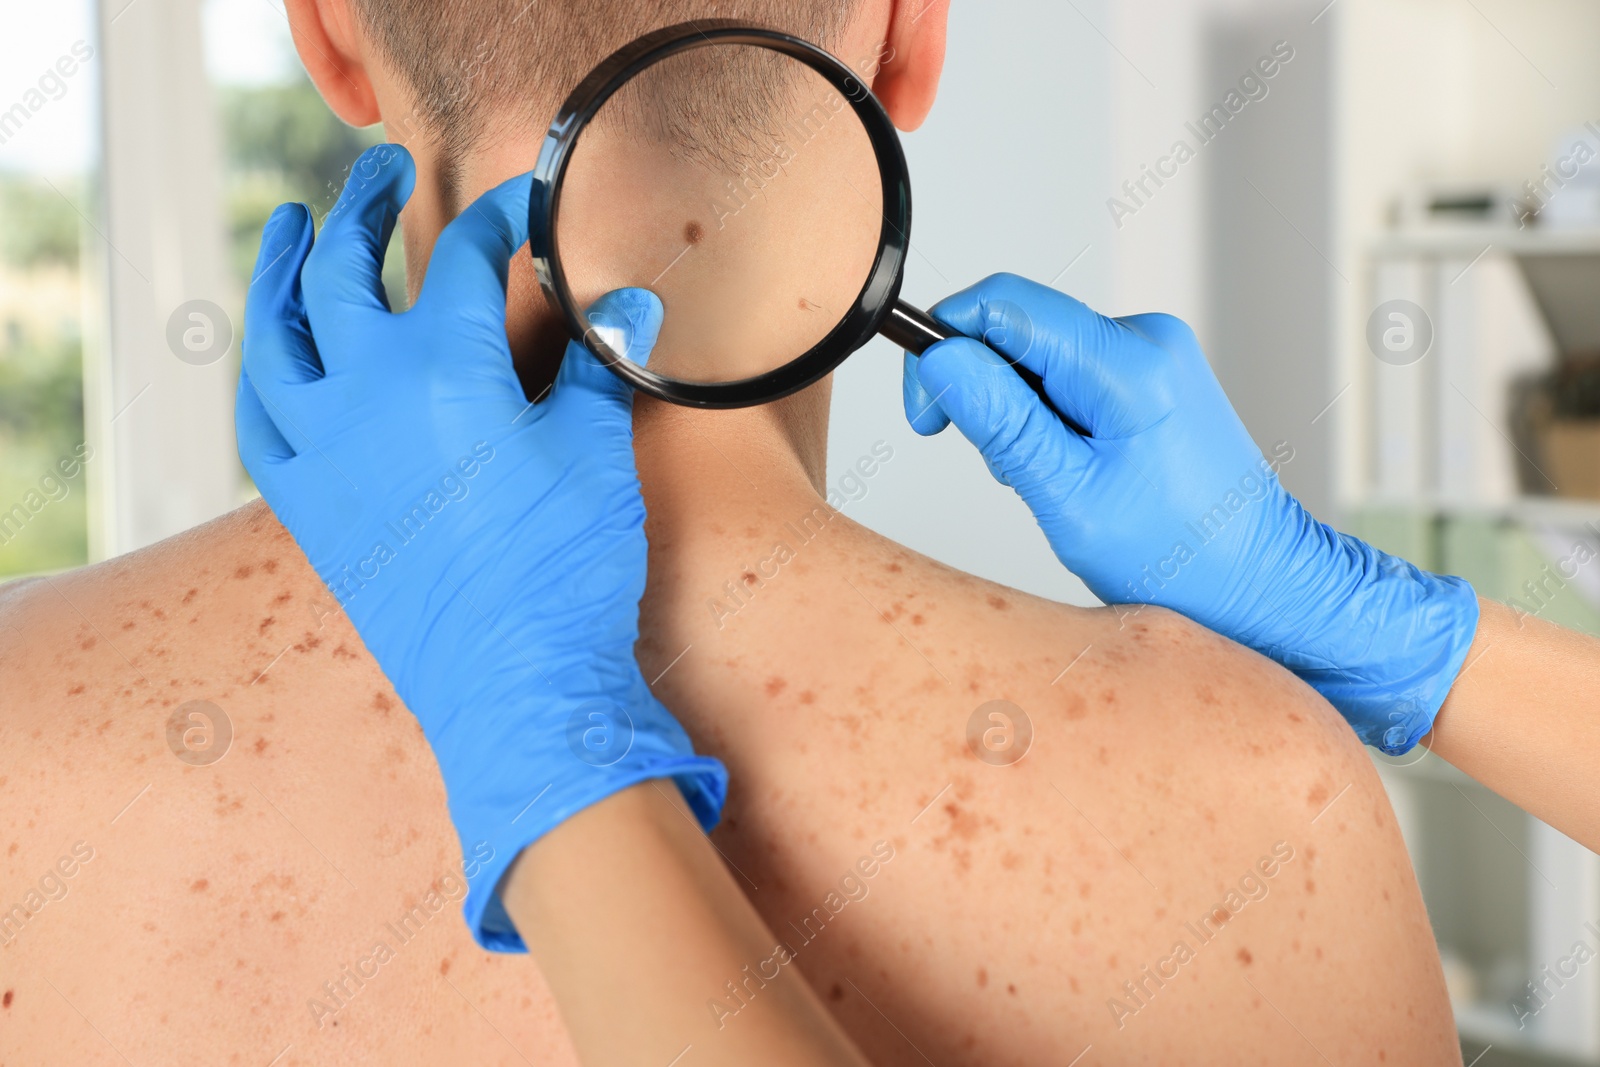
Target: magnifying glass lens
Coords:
[[742, 189]]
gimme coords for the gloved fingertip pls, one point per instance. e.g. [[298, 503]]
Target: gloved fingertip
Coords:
[[284, 228], [628, 322], [391, 161], [950, 364], [923, 412], [973, 385]]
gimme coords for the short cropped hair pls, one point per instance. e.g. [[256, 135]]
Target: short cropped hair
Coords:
[[475, 64]]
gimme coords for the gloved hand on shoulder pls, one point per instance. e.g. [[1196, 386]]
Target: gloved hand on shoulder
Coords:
[[1168, 501], [490, 552]]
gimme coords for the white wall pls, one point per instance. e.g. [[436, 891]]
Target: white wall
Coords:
[[1046, 109], [1010, 173]]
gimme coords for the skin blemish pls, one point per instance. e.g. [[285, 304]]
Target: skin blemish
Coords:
[[270, 566], [693, 232], [1311, 886], [964, 824], [983, 977], [381, 703], [260, 746], [1245, 957], [775, 686], [266, 624], [6, 1000], [1295, 718], [1318, 794], [199, 885], [1077, 707], [807, 697], [836, 993], [444, 966], [283, 598], [916, 620], [1207, 696], [999, 603], [749, 578], [75, 690], [190, 595], [87, 643], [244, 571]]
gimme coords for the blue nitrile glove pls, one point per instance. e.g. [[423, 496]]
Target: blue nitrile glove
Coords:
[[1170, 502], [491, 553]]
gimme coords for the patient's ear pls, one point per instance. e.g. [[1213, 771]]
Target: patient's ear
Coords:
[[909, 79], [332, 47]]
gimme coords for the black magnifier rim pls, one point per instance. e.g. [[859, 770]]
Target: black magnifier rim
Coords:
[[877, 297]]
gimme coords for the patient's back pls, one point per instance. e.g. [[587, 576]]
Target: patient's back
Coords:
[[1193, 862]]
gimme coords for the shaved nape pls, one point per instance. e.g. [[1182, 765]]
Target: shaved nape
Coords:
[[478, 67]]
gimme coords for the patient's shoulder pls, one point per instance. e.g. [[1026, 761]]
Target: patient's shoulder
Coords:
[[211, 606]]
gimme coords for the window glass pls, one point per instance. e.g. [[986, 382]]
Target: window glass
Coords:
[[281, 142], [49, 291]]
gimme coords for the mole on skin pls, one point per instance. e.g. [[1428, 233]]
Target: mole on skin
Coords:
[[694, 233]]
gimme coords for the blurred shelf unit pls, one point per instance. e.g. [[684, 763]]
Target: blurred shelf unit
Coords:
[[1455, 478]]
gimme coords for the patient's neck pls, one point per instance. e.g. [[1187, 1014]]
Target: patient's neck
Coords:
[[693, 461], [768, 454]]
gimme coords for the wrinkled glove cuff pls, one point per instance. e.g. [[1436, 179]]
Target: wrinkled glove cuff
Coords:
[[702, 779], [1416, 630]]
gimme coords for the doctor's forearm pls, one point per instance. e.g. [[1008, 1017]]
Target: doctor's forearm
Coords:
[[638, 928], [1524, 719]]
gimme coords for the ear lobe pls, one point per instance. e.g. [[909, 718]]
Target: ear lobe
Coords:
[[909, 79], [329, 42]]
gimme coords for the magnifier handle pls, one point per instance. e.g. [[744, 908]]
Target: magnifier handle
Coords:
[[916, 331]]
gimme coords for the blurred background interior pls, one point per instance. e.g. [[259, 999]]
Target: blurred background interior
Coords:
[[1390, 247]]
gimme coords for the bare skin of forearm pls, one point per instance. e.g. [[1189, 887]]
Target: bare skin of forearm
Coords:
[[636, 924], [1524, 719]]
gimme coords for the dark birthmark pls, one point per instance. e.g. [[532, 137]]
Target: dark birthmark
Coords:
[[694, 233]]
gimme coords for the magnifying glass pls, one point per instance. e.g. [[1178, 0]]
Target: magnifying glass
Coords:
[[752, 182]]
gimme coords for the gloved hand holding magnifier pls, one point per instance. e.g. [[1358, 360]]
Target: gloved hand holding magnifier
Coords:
[[757, 307]]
